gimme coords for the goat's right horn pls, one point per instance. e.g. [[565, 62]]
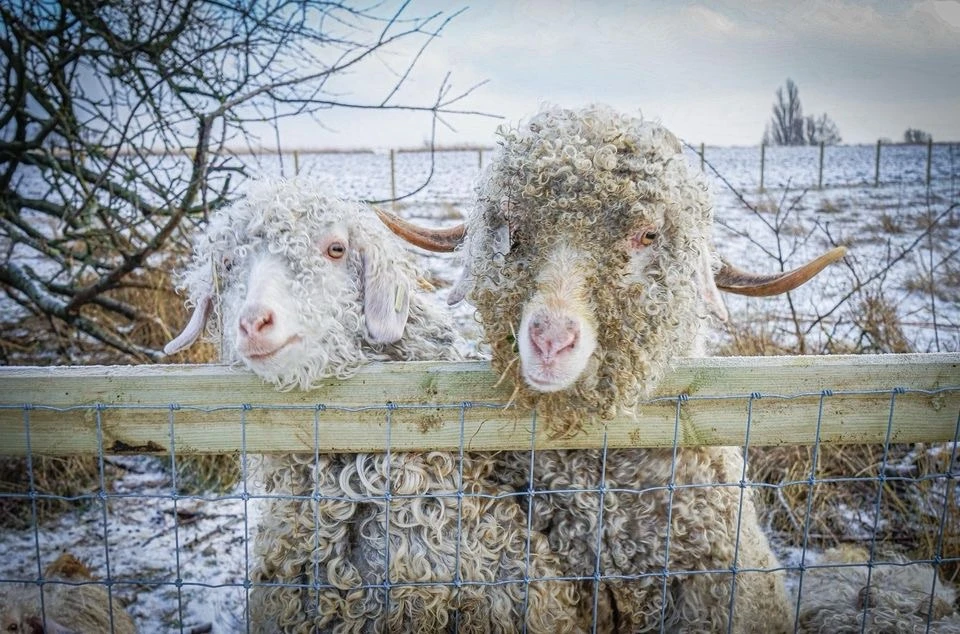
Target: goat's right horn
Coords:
[[440, 240], [194, 328], [733, 280]]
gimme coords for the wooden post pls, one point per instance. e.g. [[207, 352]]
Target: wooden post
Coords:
[[876, 173], [393, 179], [763, 151], [480, 158], [296, 162], [929, 158], [820, 174], [701, 156]]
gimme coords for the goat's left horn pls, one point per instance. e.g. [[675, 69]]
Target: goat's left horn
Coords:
[[441, 240], [733, 280]]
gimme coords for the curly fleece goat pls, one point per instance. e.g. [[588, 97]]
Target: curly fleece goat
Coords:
[[603, 215], [589, 257], [308, 287], [837, 599], [79, 605]]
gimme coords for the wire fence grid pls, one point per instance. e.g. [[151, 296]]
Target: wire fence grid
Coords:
[[184, 585]]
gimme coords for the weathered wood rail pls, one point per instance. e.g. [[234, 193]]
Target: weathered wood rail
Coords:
[[421, 406]]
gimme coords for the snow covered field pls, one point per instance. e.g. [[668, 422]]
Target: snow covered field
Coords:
[[143, 525]]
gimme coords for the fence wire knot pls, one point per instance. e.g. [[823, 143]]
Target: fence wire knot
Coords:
[[826, 392], [27, 406], [683, 398], [899, 390], [391, 406], [320, 407], [755, 395], [174, 407], [246, 407]]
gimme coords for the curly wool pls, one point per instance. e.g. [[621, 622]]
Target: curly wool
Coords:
[[836, 599], [591, 179], [320, 560]]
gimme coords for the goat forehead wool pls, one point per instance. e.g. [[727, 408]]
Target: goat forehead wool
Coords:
[[591, 180]]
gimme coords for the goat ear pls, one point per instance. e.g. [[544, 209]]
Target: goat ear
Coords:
[[386, 301], [708, 287], [462, 287], [500, 246], [193, 329]]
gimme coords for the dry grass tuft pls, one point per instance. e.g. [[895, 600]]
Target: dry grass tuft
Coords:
[[841, 506], [66, 478]]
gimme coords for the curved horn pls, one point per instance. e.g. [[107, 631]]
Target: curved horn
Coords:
[[194, 327], [733, 280], [440, 240]]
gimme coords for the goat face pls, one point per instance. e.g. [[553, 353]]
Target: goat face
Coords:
[[306, 286]]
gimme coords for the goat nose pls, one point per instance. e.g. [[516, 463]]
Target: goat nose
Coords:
[[552, 335], [256, 320]]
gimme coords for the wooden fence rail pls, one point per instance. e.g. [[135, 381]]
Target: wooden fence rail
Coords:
[[421, 406]]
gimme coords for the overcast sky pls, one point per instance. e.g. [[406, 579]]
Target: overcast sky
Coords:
[[707, 70]]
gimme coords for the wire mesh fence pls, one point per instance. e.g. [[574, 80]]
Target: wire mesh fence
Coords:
[[191, 562]]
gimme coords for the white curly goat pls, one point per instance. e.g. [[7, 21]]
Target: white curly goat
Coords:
[[308, 286], [73, 603], [589, 256], [841, 594]]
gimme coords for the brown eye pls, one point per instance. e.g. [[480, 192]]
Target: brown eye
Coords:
[[643, 238], [336, 250]]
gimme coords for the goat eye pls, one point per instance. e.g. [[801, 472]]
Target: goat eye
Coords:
[[336, 250], [643, 238]]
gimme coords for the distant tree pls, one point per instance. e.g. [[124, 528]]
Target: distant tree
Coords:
[[118, 119], [913, 135], [822, 129], [788, 126]]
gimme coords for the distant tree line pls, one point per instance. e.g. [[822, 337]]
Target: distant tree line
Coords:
[[913, 135], [789, 126]]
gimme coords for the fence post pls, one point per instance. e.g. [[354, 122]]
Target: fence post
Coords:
[[820, 175], [296, 162], [701, 156], [876, 172], [929, 158], [763, 151], [393, 179], [480, 158]]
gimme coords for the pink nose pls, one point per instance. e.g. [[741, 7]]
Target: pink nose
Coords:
[[256, 321], [553, 335]]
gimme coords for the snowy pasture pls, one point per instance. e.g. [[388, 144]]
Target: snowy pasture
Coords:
[[180, 563]]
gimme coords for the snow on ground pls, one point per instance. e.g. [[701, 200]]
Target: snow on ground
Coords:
[[144, 524]]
